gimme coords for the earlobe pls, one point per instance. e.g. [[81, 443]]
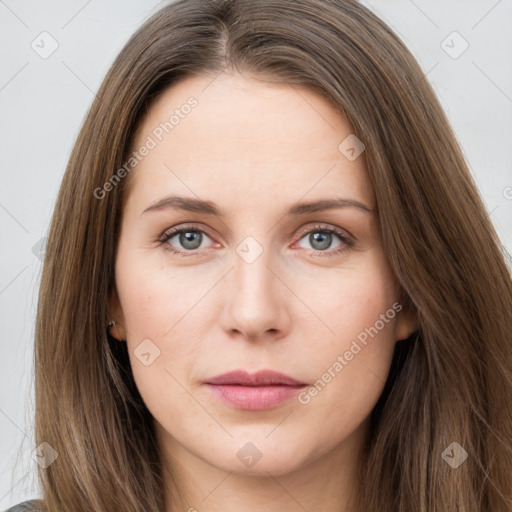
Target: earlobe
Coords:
[[116, 320], [406, 324], [116, 331]]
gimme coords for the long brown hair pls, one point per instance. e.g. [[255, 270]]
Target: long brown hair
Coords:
[[450, 382]]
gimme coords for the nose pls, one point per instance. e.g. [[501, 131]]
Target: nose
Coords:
[[256, 307]]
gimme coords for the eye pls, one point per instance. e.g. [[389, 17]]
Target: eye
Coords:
[[321, 238], [188, 239]]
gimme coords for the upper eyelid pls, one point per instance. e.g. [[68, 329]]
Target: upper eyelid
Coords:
[[319, 226], [177, 229]]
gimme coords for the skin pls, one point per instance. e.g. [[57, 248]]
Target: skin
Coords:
[[255, 149]]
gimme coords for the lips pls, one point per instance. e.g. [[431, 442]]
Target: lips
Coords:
[[262, 390], [261, 378]]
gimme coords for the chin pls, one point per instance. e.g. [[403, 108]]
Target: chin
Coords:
[[260, 459]]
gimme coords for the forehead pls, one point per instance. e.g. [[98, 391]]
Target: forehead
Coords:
[[238, 135]]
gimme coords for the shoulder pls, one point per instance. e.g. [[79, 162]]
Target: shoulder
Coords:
[[26, 506]]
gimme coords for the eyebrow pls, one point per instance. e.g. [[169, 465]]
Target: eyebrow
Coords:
[[191, 204]]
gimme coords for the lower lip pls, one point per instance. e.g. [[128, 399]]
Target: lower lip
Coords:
[[254, 398]]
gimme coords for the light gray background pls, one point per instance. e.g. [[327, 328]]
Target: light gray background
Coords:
[[43, 102]]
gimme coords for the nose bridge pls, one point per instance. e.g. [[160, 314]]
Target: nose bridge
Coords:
[[251, 264], [253, 303]]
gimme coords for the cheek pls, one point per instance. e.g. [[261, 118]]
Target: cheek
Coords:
[[155, 306], [154, 296], [353, 300], [360, 309], [153, 301]]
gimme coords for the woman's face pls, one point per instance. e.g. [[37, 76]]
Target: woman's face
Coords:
[[257, 280]]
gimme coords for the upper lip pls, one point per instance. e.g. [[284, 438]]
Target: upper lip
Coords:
[[260, 378]]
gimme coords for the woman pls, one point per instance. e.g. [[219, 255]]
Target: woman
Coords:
[[270, 282]]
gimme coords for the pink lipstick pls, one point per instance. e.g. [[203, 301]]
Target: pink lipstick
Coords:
[[262, 390]]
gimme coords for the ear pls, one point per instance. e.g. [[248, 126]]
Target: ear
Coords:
[[118, 330], [406, 324]]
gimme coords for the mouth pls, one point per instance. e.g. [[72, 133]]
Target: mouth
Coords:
[[262, 390]]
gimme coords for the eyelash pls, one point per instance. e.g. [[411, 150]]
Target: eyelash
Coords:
[[346, 244]]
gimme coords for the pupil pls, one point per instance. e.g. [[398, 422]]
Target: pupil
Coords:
[[187, 239], [324, 240]]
